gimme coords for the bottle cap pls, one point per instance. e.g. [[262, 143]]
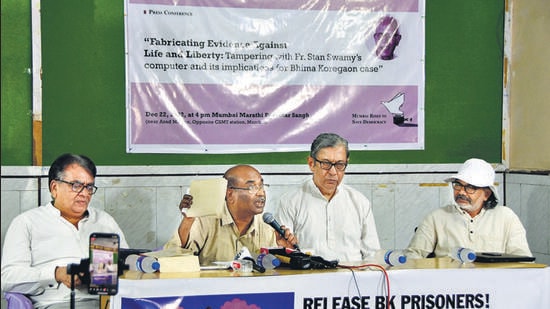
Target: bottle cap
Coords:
[[155, 265], [471, 256], [402, 259], [276, 262]]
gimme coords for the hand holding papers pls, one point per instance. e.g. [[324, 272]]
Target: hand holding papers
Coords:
[[208, 197]]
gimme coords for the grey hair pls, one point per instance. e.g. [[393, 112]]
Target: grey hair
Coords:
[[325, 140]]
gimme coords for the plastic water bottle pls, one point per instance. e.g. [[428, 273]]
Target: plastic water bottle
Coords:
[[268, 261], [463, 255], [390, 257], [142, 263]]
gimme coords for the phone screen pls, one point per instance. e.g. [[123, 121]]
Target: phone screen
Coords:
[[104, 254]]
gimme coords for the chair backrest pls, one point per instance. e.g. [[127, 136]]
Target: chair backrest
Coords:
[[17, 301]]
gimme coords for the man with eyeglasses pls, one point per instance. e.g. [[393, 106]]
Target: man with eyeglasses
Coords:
[[329, 217], [473, 220], [42, 241], [240, 225]]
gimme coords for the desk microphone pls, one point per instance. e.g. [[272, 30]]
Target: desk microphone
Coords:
[[269, 219], [244, 254]]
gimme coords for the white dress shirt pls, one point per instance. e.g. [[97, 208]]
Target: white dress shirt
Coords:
[[342, 228], [40, 239]]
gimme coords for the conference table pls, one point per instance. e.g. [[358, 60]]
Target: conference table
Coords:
[[418, 284]]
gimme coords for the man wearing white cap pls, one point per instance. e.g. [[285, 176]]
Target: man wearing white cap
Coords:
[[472, 221]]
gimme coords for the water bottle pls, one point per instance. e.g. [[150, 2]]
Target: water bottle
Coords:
[[463, 255], [268, 261], [390, 257], [142, 263]]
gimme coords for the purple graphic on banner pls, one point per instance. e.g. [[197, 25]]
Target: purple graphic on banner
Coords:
[[387, 37], [229, 301]]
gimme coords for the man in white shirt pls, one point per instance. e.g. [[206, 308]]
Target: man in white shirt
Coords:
[[473, 220], [327, 216], [42, 241]]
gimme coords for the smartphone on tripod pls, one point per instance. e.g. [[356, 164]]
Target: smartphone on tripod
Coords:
[[104, 256]]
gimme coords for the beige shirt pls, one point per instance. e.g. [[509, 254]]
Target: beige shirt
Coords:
[[494, 230], [217, 239]]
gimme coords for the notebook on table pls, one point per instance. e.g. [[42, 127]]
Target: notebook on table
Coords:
[[495, 257]]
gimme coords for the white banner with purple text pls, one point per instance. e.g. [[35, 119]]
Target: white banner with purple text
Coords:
[[269, 76]]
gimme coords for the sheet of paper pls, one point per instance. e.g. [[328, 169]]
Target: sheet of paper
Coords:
[[174, 251], [208, 197]]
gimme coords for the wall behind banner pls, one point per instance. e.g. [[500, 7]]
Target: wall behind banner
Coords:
[[84, 89]]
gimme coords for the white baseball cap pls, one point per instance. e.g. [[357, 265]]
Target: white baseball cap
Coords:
[[478, 173]]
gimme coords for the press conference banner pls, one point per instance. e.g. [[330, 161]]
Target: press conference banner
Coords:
[[268, 76], [463, 287]]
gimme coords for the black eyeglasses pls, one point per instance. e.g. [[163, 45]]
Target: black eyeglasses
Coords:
[[78, 187], [468, 188], [326, 165], [252, 189]]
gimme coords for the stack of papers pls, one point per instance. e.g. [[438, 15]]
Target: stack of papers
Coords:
[[176, 260], [208, 197]]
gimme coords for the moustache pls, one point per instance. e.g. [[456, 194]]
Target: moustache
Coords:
[[463, 197], [261, 199]]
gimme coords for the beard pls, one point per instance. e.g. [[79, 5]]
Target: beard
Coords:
[[467, 207], [465, 203]]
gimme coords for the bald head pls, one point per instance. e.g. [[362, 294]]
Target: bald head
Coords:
[[387, 24], [241, 174], [245, 194]]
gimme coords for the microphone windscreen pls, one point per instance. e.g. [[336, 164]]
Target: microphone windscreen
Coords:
[[268, 217]]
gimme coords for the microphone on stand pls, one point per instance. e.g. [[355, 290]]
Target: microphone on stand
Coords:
[[269, 219]]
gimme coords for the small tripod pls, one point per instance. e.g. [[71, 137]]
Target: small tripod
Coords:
[[78, 269]]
